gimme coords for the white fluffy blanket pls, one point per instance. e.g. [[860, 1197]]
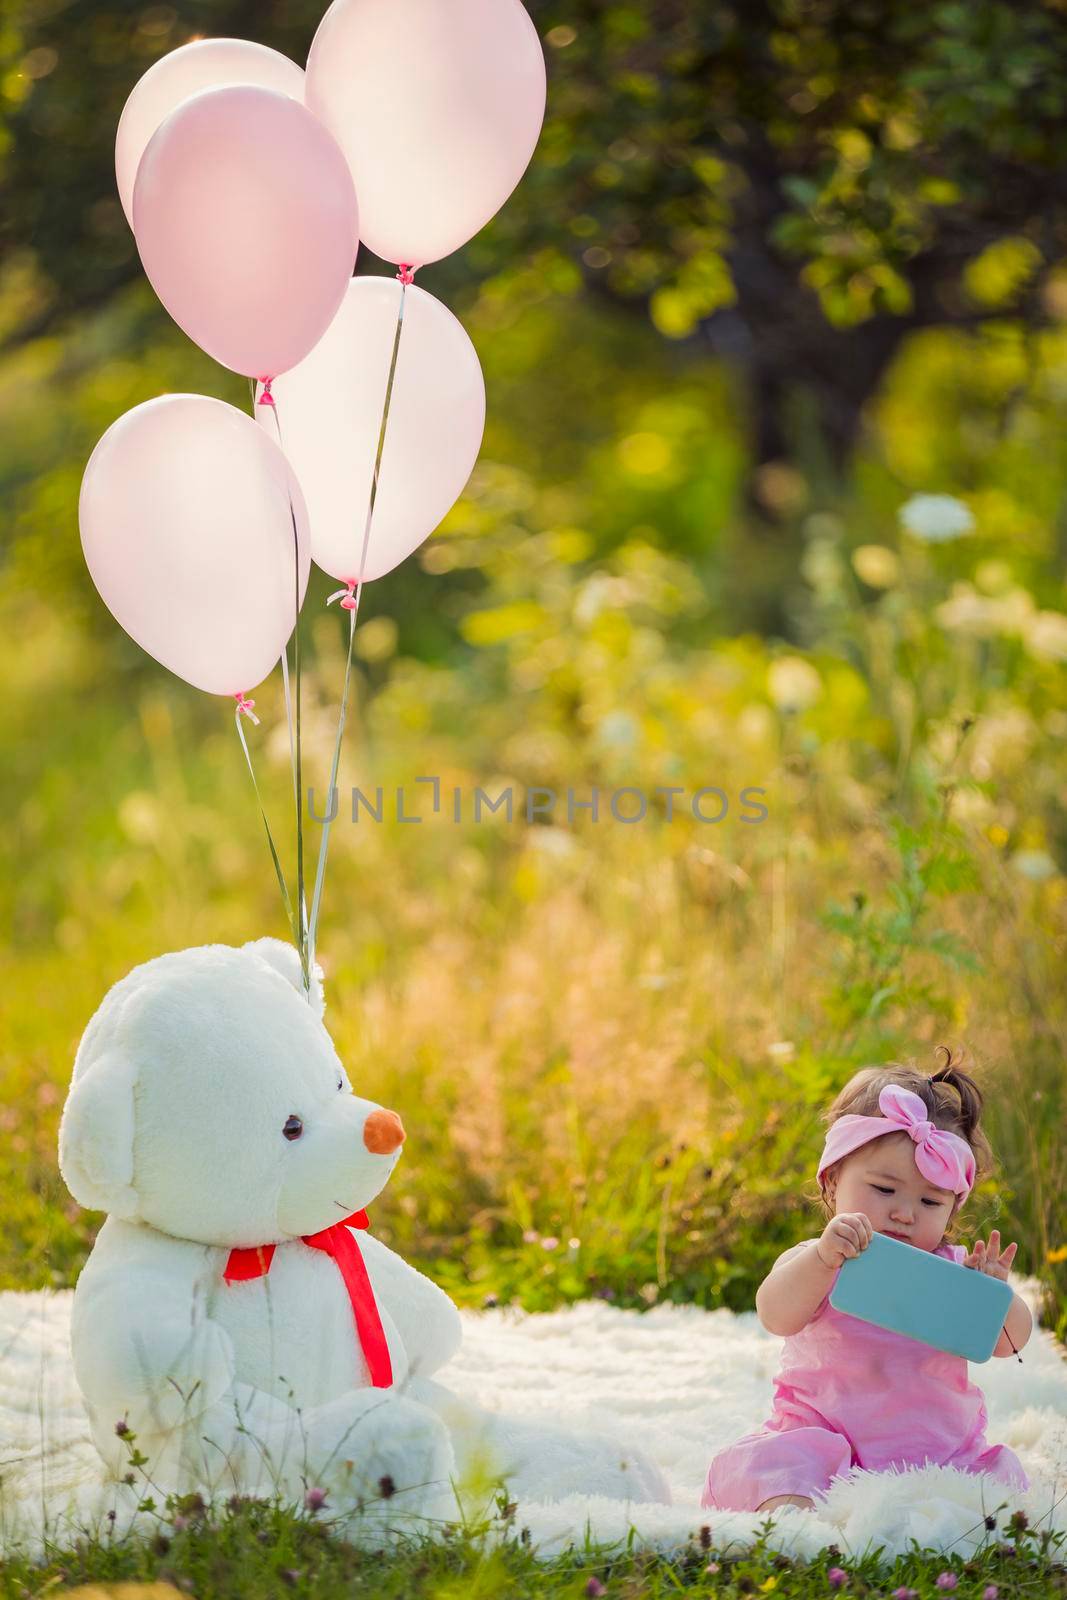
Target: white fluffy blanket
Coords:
[[676, 1381]]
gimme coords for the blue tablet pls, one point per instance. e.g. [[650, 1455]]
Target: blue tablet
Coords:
[[924, 1297]]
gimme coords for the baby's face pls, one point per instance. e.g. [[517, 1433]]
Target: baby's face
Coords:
[[882, 1180]]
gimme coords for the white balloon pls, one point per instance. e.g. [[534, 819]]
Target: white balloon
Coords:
[[437, 105], [329, 412], [186, 516], [201, 64]]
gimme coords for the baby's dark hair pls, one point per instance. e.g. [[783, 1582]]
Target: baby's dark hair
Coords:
[[952, 1098]]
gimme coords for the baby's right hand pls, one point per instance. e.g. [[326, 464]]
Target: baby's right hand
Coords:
[[843, 1237]]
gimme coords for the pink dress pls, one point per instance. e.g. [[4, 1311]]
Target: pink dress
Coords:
[[849, 1395]]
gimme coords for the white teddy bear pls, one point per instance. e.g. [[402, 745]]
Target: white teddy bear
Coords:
[[234, 1315]]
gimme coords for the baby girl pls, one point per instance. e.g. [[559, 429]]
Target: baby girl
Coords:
[[902, 1153]]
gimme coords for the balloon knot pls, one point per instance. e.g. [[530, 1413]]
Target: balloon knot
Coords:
[[266, 398], [406, 274], [347, 602], [245, 705]]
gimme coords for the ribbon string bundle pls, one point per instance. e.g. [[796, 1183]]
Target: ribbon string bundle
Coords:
[[249, 184]]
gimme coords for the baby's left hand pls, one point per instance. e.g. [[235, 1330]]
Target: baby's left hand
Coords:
[[990, 1258]]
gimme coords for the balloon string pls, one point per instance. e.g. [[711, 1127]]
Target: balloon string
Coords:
[[301, 927], [243, 707], [350, 603], [285, 669], [292, 743]]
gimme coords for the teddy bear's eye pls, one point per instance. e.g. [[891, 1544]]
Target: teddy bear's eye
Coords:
[[293, 1128]]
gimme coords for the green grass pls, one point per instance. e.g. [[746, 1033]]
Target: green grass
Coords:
[[610, 1044], [263, 1550]]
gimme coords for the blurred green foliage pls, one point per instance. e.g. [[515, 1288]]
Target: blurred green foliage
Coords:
[[795, 184], [610, 1043]]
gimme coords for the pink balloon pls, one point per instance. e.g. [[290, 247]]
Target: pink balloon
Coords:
[[188, 534], [329, 411], [201, 64], [437, 105], [245, 216]]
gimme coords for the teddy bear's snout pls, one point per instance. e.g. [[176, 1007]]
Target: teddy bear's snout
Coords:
[[383, 1132]]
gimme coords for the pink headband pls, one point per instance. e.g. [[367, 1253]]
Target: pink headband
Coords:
[[943, 1158]]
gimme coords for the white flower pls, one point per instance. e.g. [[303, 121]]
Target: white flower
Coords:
[[1045, 636], [936, 518], [793, 683], [985, 616], [1034, 864], [618, 728]]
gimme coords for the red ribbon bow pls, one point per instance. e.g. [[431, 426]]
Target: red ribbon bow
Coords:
[[338, 1242]]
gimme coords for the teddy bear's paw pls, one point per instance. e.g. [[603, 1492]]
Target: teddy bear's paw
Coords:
[[603, 1466], [541, 1461], [639, 1478], [382, 1458]]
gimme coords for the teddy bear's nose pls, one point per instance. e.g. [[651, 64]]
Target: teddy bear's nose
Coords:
[[383, 1132]]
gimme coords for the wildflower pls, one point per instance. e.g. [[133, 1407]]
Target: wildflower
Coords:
[[904, 1593], [180, 1523], [122, 1428], [705, 1537], [990, 1592], [876, 564], [386, 1486], [946, 1580], [713, 1567], [1045, 636], [315, 1499], [990, 1522], [936, 518], [551, 1243], [837, 1577], [111, 1516], [984, 616], [290, 1575], [1018, 1521], [1037, 865], [793, 683], [594, 1588]]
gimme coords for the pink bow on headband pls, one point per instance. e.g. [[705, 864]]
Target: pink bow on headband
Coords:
[[943, 1158]]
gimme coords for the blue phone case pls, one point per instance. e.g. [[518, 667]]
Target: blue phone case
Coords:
[[923, 1296]]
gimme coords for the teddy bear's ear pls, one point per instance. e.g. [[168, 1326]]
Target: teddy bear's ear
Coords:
[[96, 1136], [285, 959]]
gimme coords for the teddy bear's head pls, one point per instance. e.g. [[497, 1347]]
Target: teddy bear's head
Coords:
[[208, 1101]]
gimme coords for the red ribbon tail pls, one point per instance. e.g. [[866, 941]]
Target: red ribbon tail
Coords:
[[375, 1346]]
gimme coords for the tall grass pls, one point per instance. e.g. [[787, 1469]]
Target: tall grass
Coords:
[[610, 1042]]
